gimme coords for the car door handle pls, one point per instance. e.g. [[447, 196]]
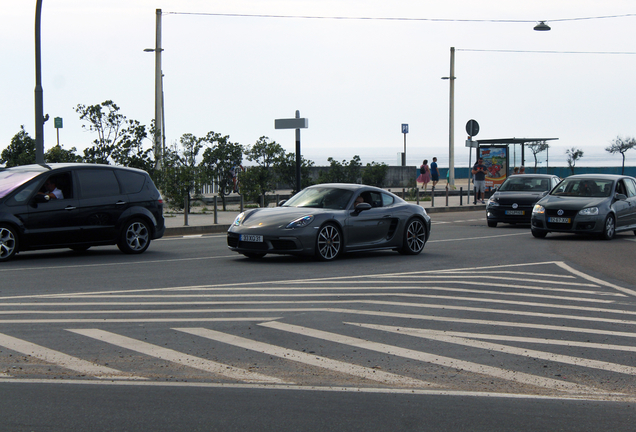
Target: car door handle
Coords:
[[121, 202], [69, 208]]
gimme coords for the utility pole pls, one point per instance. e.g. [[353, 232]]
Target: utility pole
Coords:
[[39, 100]]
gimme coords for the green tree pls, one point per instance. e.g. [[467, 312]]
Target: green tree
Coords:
[[21, 151], [181, 176], [374, 174], [574, 155], [57, 154], [345, 172], [218, 159], [285, 169], [118, 138], [536, 148], [260, 179], [621, 145]]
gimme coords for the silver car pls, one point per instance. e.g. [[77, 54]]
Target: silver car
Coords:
[[600, 204], [329, 219]]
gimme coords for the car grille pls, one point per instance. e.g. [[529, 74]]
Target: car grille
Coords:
[[566, 214], [283, 245]]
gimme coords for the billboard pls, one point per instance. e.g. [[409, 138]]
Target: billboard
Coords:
[[496, 161]]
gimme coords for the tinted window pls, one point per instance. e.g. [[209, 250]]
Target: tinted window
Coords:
[[11, 179], [631, 187], [97, 183], [387, 200], [131, 182]]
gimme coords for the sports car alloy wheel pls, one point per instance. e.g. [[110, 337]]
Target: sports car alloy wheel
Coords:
[[328, 243], [8, 243], [414, 237]]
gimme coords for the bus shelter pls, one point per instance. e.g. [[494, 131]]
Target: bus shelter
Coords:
[[501, 155]]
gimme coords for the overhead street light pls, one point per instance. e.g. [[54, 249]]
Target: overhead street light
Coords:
[[542, 26]]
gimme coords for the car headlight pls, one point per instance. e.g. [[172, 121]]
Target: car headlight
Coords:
[[538, 209], [301, 222], [493, 202], [590, 211], [239, 219]]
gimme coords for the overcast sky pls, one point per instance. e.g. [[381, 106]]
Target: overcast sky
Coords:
[[356, 81]]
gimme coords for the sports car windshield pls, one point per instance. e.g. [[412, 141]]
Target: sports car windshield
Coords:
[[10, 180], [526, 184], [584, 188], [321, 197]]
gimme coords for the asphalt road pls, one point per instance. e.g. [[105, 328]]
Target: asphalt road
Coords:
[[486, 330]]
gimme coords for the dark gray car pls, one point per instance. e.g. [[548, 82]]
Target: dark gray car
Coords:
[[325, 220], [77, 206], [600, 204]]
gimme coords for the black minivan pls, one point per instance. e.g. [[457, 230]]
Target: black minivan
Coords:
[[76, 205]]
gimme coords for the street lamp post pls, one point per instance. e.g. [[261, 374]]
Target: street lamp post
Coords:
[[158, 95], [39, 100], [451, 121]]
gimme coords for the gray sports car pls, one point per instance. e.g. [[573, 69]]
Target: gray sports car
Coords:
[[328, 219], [587, 204]]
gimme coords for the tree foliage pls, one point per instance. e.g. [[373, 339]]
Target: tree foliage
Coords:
[[21, 151], [374, 174], [119, 139], [258, 180], [181, 176], [621, 145], [573, 155], [285, 169], [536, 148], [345, 172], [219, 158]]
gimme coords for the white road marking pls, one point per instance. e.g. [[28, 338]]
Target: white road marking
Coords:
[[329, 389], [508, 375], [500, 348], [63, 360], [176, 357], [308, 359], [137, 320], [595, 280]]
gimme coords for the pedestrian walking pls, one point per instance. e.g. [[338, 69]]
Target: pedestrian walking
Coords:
[[425, 174], [434, 172], [479, 171]]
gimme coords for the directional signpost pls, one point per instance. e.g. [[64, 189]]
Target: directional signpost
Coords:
[[294, 123], [405, 130]]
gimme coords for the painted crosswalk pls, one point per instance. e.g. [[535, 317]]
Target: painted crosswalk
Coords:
[[540, 329]]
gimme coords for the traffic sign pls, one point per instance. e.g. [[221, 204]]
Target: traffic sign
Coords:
[[472, 128], [58, 122], [405, 128]]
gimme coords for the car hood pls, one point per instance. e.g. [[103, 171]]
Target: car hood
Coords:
[[518, 197], [277, 216], [570, 202]]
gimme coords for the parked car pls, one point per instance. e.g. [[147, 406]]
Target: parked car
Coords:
[[514, 200], [77, 206], [325, 220], [587, 204]]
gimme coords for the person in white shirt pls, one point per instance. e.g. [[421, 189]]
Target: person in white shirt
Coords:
[[52, 192]]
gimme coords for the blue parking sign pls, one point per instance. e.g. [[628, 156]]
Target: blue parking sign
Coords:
[[405, 128]]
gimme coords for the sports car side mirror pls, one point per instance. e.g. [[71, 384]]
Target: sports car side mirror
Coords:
[[361, 207], [281, 202]]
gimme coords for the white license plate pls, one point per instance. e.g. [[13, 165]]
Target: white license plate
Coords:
[[251, 238], [559, 220], [515, 212]]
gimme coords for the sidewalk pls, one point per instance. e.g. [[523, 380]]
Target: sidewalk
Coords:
[[199, 222]]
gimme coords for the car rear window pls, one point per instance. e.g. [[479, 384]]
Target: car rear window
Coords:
[[97, 183], [131, 182]]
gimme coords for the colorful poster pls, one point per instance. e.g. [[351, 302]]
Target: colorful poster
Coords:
[[496, 161]]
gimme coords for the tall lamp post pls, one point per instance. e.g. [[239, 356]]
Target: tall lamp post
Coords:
[[158, 95], [451, 126], [39, 102]]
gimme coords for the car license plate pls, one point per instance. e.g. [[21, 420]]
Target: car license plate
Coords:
[[559, 220], [251, 238], [515, 212]]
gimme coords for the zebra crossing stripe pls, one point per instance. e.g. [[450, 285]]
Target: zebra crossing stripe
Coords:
[[499, 348], [504, 374], [63, 360], [178, 357], [309, 359]]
